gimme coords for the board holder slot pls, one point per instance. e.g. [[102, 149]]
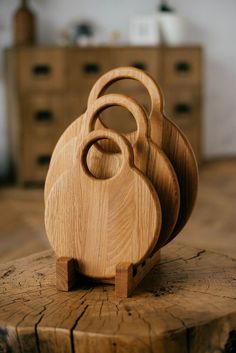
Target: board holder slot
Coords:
[[127, 278]]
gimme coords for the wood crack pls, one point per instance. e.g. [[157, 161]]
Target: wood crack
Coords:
[[199, 253], [38, 322], [187, 330], [73, 327]]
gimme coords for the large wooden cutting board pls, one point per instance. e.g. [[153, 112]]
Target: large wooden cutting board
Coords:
[[164, 133]]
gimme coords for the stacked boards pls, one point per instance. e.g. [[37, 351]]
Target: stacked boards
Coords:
[[112, 198]]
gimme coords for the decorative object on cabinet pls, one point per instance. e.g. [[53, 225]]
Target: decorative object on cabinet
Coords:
[[24, 25], [172, 25], [83, 34], [105, 212], [48, 88], [144, 30]]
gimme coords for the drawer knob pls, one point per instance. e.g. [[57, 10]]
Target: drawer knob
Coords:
[[182, 108], [139, 65], [41, 70], [43, 115], [91, 68], [182, 66], [43, 159]]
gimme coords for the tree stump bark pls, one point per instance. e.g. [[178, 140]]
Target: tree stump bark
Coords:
[[187, 303]]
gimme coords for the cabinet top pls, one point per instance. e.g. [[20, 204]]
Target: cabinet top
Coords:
[[104, 47]]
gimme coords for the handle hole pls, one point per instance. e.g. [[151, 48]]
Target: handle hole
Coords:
[[43, 160], [119, 119], [182, 67], [41, 70], [43, 115], [92, 68], [133, 89], [102, 165]]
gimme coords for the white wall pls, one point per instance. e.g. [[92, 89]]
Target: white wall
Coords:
[[211, 23]]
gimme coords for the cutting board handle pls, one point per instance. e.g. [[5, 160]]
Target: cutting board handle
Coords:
[[120, 73], [110, 100], [120, 141]]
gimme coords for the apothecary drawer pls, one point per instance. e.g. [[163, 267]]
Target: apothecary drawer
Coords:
[[42, 69], [182, 66], [86, 66], [183, 106], [36, 157], [44, 115]]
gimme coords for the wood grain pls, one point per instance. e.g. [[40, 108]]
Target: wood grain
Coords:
[[66, 276], [185, 304], [147, 157], [101, 223], [165, 134]]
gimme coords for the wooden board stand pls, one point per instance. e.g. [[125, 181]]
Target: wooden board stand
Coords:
[[126, 280]]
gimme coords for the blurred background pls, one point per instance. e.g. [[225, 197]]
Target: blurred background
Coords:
[[52, 52]]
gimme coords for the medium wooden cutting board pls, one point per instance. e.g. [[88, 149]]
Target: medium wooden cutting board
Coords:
[[147, 157]]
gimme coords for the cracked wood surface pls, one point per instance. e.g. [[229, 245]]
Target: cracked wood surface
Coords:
[[187, 303]]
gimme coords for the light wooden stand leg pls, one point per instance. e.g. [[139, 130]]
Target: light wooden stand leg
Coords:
[[66, 276], [128, 277], [123, 280]]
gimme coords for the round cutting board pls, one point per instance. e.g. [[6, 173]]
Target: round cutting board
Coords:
[[147, 157], [165, 134], [101, 223]]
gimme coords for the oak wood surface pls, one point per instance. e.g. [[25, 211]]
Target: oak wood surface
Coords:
[[66, 276], [187, 303], [147, 157], [101, 223], [163, 132]]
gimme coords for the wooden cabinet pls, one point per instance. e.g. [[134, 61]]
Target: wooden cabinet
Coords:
[[48, 88]]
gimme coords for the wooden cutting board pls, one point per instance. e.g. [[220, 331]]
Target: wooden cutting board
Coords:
[[164, 133], [103, 222], [147, 157]]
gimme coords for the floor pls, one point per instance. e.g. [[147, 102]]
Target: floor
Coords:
[[212, 225]]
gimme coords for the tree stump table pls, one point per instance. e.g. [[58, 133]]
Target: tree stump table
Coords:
[[187, 303]]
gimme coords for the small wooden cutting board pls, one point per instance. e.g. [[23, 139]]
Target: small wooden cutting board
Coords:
[[98, 222]]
